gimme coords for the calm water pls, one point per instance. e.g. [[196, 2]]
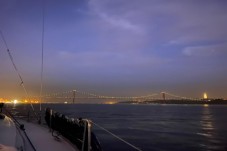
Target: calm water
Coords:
[[156, 127]]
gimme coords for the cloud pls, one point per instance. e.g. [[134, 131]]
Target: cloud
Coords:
[[166, 22], [197, 22], [111, 37], [114, 60], [208, 50], [120, 22], [113, 17]]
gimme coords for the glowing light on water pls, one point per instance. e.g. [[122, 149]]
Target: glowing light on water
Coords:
[[206, 105]]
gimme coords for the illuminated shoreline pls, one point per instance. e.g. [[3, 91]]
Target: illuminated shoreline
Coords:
[[202, 101]]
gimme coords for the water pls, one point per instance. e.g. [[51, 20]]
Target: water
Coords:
[[155, 127]]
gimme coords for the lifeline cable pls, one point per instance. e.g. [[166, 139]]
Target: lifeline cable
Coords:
[[136, 148]]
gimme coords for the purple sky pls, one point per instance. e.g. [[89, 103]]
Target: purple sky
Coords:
[[116, 47]]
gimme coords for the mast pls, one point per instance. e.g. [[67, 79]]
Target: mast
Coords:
[[42, 55]]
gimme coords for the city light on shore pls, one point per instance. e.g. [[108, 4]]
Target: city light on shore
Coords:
[[14, 101], [17, 101], [110, 102]]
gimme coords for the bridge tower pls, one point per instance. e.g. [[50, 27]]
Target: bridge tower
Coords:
[[74, 95], [163, 95]]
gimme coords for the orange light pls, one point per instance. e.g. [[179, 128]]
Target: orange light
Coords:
[[110, 102]]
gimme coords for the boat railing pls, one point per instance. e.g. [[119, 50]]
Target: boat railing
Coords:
[[77, 131], [86, 146]]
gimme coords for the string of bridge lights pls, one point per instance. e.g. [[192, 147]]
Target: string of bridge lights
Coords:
[[70, 93]]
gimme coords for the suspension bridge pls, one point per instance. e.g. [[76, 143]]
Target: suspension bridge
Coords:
[[74, 95]]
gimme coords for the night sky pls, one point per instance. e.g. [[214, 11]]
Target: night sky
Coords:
[[115, 47]]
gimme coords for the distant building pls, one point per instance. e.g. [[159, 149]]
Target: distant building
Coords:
[[205, 95]]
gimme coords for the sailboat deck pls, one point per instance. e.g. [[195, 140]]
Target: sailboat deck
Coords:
[[43, 140]]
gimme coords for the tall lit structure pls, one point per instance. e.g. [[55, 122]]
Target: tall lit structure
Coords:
[[163, 96], [205, 95], [74, 95]]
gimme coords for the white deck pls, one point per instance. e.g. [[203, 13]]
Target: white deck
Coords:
[[43, 140], [7, 132]]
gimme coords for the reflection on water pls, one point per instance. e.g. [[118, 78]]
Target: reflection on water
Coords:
[[207, 119], [208, 130]]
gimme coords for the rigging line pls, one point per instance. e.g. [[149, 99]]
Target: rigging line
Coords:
[[136, 148], [4, 39], [22, 82], [15, 67], [42, 55]]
